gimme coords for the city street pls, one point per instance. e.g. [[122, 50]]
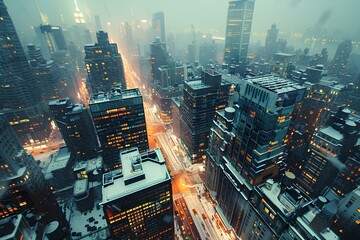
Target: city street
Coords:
[[194, 213]]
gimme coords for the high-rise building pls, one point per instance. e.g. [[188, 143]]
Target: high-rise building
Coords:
[[98, 22], [271, 42], [202, 98], [207, 52], [119, 120], [262, 120], [341, 58], [158, 57], [137, 201], [104, 65], [51, 39], [238, 29], [329, 149], [78, 15], [76, 127], [50, 79], [22, 184], [20, 97], [158, 24]]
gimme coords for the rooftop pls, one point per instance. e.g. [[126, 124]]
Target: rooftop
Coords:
[[332, 133], [114, 94], [139, 171], [275, 84], [89, 165], [59, 160]]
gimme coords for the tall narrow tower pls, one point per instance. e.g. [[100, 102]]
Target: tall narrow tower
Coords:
[[238, 29], [20, 98]]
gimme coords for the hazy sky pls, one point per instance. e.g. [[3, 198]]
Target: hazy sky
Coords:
[[340, 16]]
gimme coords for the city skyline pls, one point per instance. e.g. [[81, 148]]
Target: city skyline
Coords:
[[159, 127]]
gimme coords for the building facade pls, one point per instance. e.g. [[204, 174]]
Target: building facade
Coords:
[[137, 201], [119, 121], [104, 65], [202, 98]]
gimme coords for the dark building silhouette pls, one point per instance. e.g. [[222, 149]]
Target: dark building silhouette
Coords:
[[158, 25], [341, 58], [238, 29], [104, 65], [202, 97], [22, 184], [20, 97], [51, 39], [158, 57], [76, 127], [207, 52], [271, 42], [119, 121], [50, 78]]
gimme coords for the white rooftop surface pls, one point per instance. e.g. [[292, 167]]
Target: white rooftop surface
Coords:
[[110, 96], [59, 160], [80, 187], [273, 194], [332, 133], [155, 173]]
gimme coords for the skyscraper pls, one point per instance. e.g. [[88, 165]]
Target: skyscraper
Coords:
[[341, 58], [238, 29], [104, 65], [158, 24], [20, 98], [271, 42], [137, 201], [51, 39], [158, 57], [22, 184], [119, 122], [202, 97], [76, 127]]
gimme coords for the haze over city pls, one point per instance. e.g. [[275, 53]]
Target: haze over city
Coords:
[[164, 119]]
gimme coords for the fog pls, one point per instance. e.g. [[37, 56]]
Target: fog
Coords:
[[340, 18]]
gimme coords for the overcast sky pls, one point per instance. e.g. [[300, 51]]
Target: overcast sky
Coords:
[[340, 16]]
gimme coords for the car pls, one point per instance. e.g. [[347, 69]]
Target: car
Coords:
[[190, 220], [204, 216], [194, 211]]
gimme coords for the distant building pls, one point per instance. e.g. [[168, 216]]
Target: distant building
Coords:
[[76, 127], [271, 42], [162, 97], [104, 65], [119, 120], [202, 98], [51, 39], [341, 58], [137, 200], [238, 29], [159, 57], [158, 25], [207, 52]]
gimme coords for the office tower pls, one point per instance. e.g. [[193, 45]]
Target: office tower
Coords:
[[137, 201], [280, 63], [341, 58], [51, 39], [20, 98], [271, 42], [207, 52], [328, 151], [51, 82], [191, 54], [202, 97], [22, 184], [119, 121], [238, 29], [76, 127], [347, 224], [262, 120], [78, 15], [98, 22], [171, 44], [158, 57], [158, 24], [104, 65]]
